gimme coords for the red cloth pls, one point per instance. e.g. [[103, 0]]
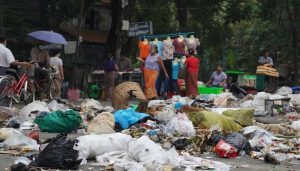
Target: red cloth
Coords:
[[191, 82], [144, 49], [192, 64]]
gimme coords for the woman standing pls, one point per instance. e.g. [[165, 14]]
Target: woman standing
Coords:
[[110, 68], [152, 64], [191, 74]]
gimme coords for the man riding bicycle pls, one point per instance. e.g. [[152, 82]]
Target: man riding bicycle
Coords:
[[6, 57]]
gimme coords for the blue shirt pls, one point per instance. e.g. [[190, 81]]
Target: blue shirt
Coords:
[[175, 70], [159, 45]]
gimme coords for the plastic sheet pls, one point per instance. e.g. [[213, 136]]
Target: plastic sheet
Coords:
[[126, 118], [59, 122], [29, 111]]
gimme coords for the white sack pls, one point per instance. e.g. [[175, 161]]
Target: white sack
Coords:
[[27, 112], [284, 91], [181, 124]]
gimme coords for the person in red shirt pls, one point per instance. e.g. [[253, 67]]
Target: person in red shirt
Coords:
[[191, 74]]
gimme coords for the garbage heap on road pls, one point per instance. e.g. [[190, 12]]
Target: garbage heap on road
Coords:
[[166, 134]]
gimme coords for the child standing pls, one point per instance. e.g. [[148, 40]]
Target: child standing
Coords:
[[176, 66]]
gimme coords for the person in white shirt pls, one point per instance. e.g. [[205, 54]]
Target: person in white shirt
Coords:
[[57, 63], [6, 57]]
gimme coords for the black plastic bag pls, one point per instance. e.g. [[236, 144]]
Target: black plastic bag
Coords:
[[58, 154], [19, 167], [181, 144], [214, 138], [238, 141]]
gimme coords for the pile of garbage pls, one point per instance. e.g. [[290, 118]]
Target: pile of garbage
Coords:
[[166, 134]]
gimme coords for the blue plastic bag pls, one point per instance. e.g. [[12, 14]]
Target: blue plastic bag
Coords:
[[126, 118]]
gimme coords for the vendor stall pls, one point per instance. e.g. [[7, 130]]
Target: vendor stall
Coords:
[[96, 81], [266, 79]]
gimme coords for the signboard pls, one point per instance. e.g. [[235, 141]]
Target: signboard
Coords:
[[140, 28]]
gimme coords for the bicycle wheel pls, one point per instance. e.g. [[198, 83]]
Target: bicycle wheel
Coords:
[[28, 92], [4, 92]]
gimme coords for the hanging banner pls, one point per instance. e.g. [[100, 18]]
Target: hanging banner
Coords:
[[140, 28]]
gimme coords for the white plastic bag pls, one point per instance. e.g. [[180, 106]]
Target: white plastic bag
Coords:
[[23, 160], [166, 114], [296, 125], [222, 99], [90, 146], [153, 103], [54, 106], [151, 155], [284, 91], [295, 99], [181, 124], [259, 136], [247, 104], [259, 100], [29, 111], [15, 139], [89, 104]]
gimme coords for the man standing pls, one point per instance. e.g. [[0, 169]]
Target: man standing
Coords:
[[6, 57], [266, 59]]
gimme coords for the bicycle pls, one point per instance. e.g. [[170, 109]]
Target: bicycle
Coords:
[[21, 86]]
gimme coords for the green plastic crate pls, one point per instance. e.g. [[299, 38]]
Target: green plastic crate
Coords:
[[210, 90]]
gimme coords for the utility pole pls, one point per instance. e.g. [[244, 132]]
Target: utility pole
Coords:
[[78, 41]]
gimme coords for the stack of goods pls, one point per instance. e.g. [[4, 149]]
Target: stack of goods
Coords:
[[266, 70]]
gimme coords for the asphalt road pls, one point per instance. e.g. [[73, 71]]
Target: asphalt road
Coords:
[[237, 164]]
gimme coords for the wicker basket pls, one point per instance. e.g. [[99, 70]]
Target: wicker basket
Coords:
[[29, 70]]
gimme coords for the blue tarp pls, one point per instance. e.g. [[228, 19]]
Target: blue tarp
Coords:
[[126, 118]]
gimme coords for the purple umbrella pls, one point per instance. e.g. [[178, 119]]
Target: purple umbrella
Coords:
[[48, 36]]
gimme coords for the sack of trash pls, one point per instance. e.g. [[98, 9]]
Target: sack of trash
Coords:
[[122, 93], [207, 120], [59, 121], [101, 124], [58, 154], [90, 146], [182, 125], [126, 118], [241, 116], [296, 125], [29, 111]]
